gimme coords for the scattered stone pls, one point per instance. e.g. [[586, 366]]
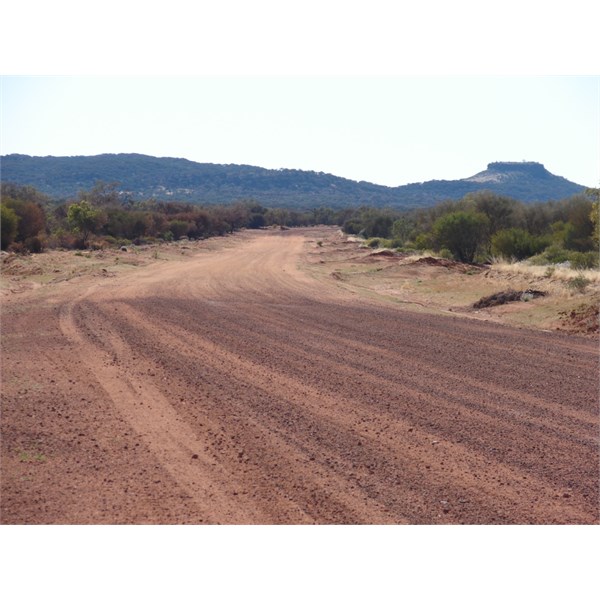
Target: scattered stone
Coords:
[[584, 319], [194, 456]]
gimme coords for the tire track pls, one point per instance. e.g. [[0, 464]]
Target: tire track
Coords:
[[272, 397]]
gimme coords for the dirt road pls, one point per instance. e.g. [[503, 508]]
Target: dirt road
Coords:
[[237, 388]]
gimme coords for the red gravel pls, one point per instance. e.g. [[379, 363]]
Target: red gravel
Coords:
[[235, 388]]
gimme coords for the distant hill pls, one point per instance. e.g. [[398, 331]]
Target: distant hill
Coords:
[[180, 179]]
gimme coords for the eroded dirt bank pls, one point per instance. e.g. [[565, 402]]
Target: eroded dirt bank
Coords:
[[236, 388]]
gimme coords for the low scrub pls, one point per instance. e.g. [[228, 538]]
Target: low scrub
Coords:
[[578, 284], [555, 255]]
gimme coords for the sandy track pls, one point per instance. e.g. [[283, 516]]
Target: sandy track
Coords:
[[236, 388]]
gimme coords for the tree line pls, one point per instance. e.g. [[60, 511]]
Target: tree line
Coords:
[[484, 225], [104, 216], [478, 227]]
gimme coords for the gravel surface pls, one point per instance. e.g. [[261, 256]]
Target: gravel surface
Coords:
[[236, 388]]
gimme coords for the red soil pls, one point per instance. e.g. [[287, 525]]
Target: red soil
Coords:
[[234, 388]]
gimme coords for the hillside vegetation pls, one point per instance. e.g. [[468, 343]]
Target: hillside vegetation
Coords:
[[145, 177], [477, 228]]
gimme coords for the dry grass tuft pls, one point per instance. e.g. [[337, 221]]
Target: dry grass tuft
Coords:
[[552, 272]]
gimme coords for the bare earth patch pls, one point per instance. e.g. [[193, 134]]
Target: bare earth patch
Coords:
[[444, 286], [263, 378]]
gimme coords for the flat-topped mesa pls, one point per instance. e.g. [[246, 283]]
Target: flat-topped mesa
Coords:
[[524, 172], [535, 168]]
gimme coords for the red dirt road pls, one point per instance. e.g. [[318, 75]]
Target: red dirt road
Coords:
[[236, 388]]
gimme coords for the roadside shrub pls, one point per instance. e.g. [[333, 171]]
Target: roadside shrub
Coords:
[[18, 248], [584, 260], [352, 226], [381, 226], [62, 239], [143, 241], [445, 253], [374, 243], [84, 219], [462, 233], [179, 228], [35, 244], [9, 221], [402, 229], [256, 221], [579, 283], [31, 218], [577, 260], [110, 240], [424, 241], [80, 244], [553, 255], [517, 243]]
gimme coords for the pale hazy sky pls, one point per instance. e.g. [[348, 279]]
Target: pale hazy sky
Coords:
[[384, 130], [369, 91]]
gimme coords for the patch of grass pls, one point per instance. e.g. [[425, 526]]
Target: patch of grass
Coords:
[[578, 284], [553, 272], [31, 456]]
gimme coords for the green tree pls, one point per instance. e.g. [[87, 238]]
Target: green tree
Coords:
[[462, 233], [579, 209], [401, 229], [502, 212], [324, 216], [84, 219], [103, 195], [378, 226], [517, 243], [9, 223], [32, 217], [595, 219], [179, 228]]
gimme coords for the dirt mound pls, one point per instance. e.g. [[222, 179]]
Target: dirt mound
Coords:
[[384, 254], [14, 264], [508, 296], [448, 264], [583, 319]]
